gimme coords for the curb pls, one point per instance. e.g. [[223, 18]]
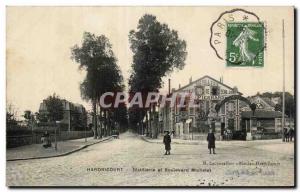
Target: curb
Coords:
[[62, 154], [200, 143]]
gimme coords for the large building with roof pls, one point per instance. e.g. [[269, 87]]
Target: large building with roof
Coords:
[[234, 115], [74, 115], [195, 121]]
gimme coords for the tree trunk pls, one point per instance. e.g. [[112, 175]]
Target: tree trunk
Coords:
[[151, 121], [109, 124], [95, 119], [105, 123], [147, 124], [141, 122], [101, 124], [154, 127]]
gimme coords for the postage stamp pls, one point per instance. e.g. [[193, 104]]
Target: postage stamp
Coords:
[[238, 38], [245, 44]]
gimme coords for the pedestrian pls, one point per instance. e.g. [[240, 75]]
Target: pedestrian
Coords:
[[225, 135], [173, 133], [285, 134], [211, 141], [46, 140], [291, 134], [167, 142]]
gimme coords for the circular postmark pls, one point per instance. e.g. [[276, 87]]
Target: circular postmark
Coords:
[[238, 37]]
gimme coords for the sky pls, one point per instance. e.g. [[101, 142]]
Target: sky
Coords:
[[39, 41]]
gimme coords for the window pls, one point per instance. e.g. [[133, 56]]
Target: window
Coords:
[[215, 90], [199, 90], [230, 106], [207, 91], [192, 110]]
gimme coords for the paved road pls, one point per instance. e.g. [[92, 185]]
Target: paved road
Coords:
[[130, 161]]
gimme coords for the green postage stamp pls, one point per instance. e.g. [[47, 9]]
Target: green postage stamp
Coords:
[[245, 44]]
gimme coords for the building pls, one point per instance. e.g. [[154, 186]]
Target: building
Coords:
[[194, 122], [265, 118], [75, 115], [234, 113]]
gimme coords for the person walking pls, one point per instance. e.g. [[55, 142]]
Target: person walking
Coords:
[[167, 142], [211, 141], [291, 134]]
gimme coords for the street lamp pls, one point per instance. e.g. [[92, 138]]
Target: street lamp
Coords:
[[57, 124], [85, 133]]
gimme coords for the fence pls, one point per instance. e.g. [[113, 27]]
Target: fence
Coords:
[[35, 138]]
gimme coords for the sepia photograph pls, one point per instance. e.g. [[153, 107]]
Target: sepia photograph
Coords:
[[150, 96]]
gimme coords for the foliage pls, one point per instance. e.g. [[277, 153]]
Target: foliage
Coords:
[[103, 74], [157, 51], [54, 107], [95, 55], [42, 117], [290, 106], [11, 120], [27, 115]]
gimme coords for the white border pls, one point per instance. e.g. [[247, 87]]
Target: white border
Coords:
[[5, 3]]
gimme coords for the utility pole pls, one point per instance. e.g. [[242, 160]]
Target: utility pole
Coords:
[[55, 146], [85, 133], [283, 86]]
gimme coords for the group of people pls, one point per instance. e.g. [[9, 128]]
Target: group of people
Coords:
[[46, 140], [210, 139], [288, 134], [227, 134]]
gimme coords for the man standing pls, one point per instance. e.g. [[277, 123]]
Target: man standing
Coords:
[[211, 141], [167, 142]]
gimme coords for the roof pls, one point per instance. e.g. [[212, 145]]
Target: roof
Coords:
[[203, 78], [262, 114], [268, 101]]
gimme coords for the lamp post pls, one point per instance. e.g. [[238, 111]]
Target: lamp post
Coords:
[[55, 135], [85, 133], [283, 81]]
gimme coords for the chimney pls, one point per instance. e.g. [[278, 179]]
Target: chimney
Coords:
[[169, 86], [179, 86]]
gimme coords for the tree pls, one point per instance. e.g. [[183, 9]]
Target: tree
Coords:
[[95, 55], [11, 121], [41, 117], [27, 114], [120, 116], [290, 106], [55, 108], [29, 117], [157, 51]]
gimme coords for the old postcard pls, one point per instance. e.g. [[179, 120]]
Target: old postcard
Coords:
[[150, 96]]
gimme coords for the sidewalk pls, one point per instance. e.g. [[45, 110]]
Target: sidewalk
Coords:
[[37, 151]]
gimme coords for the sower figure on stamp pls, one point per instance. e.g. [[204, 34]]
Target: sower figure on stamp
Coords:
[[167, 142], [211, 141]]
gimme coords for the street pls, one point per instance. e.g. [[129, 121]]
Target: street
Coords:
[[131, 161]]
